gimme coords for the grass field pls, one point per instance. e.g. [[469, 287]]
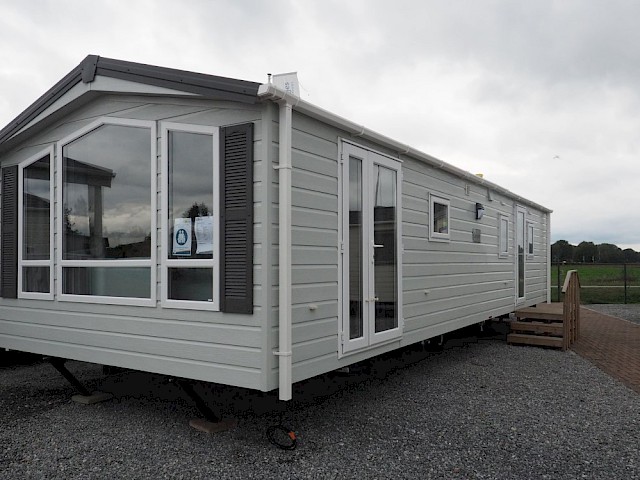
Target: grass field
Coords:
[[601, 283]]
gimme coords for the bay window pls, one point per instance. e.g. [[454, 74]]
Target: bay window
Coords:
[[107, 213]]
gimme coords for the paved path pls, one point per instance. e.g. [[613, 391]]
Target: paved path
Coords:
[[612, 344]]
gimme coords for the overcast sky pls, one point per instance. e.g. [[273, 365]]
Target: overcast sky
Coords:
[[542, 97]]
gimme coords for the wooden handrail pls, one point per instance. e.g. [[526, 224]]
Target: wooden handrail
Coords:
[[571, 308]]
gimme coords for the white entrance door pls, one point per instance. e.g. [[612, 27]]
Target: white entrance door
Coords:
[[371, 248], [520, 254]]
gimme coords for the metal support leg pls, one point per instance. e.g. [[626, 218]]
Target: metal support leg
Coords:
[[58, 364], [202, 407]]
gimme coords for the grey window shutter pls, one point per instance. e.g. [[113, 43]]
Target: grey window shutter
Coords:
[[236, 218], [9, 258]]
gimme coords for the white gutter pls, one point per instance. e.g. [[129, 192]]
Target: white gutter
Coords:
[[270, 92], [284, 354]]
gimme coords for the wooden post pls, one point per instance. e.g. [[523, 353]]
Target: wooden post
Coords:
[[571, 309]]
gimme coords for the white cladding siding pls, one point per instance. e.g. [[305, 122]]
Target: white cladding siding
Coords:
[[314, 254], [454, 283], [206, 345], [446, 285]]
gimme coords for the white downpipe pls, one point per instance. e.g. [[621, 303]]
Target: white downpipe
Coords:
[[284, 252], [286, 103]]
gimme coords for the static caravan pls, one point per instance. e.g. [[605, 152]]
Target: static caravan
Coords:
[[222, 230]]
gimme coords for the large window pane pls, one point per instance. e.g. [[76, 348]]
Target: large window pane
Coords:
[[134, 282], [190, 195], [107, 194], [36, 208]]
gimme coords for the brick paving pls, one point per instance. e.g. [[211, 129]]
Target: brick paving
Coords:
[[612, 344]]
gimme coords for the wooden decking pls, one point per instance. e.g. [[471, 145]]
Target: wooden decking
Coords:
[[541, 325], [550, 324]]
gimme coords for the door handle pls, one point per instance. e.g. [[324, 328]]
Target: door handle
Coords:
[[375, 245]]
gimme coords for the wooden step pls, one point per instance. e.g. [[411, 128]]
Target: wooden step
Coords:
[[537, 340], [539, 314], [538, 327]]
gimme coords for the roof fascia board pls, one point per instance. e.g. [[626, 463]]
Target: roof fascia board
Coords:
[[167, 79], [73, 94], [270, 92], [192, 82], [42, 103]]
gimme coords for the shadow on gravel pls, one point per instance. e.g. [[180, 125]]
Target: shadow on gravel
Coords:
[[162, 394], [10, 358], [159, 396]]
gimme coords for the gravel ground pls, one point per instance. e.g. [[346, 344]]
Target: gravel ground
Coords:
[[630, 311], [478, 409]]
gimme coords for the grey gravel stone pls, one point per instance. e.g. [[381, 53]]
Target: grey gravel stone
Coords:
[[630, 311], [478, 410]]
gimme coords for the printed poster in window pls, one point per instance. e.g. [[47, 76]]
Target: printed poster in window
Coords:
[[204, 234], [182, 236]]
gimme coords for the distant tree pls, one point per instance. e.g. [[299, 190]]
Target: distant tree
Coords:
[[586, 252], [631, 256], [562, 251], [608, 253], [196, 210]]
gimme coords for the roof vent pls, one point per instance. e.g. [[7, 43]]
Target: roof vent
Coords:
[[287, 82]]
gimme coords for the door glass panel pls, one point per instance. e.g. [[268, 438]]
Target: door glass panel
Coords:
[[356, 325], [520, 240], [385, 249]]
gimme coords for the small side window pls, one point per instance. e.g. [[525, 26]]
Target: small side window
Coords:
[[529, 239], [503, 242], [439, 215], [35, 217]]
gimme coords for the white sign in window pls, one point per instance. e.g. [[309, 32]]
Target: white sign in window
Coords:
[[182, 236]]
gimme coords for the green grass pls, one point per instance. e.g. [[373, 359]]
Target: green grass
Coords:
[[593, 275]]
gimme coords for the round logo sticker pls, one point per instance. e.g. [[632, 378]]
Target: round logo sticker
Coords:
[[181, 236]]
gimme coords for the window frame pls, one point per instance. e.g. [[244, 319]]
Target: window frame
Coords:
[[531, 247], [167, 263], [433, 235], [150, 263], [503, 223], [50, 152]]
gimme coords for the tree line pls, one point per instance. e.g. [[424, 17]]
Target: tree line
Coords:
[[589, 252]]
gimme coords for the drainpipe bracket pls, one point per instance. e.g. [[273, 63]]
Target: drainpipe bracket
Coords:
[[282, 354]]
